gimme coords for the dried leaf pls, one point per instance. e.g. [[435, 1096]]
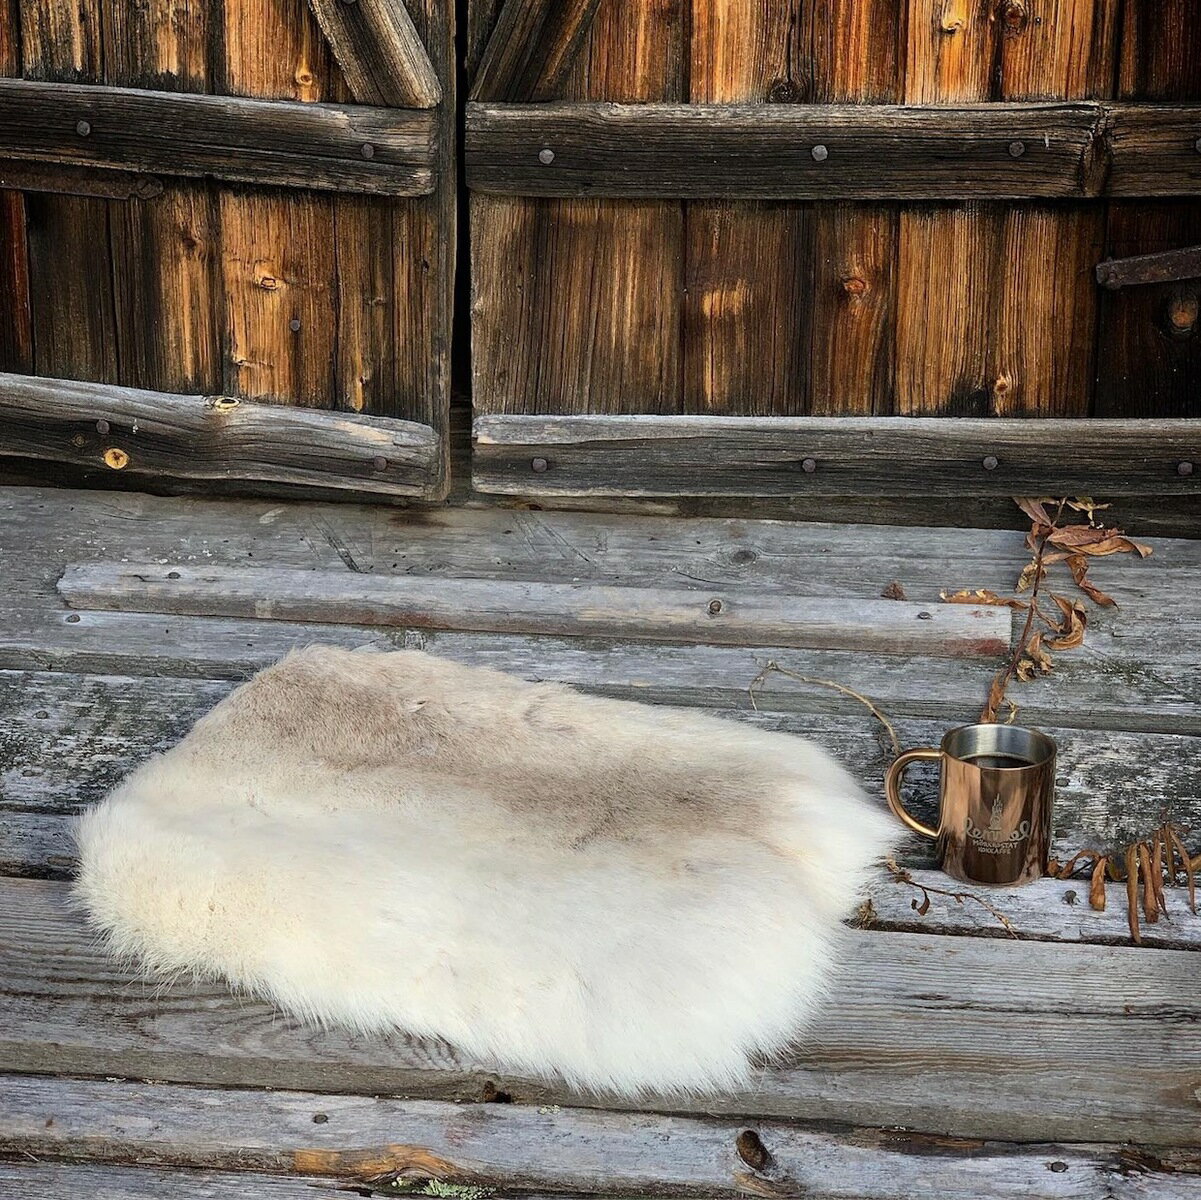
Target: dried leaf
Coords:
[[1157, 871], [1085, 504], [1132, 892], [982, 596], [1033, 508], [1150, 907], [1031, 571], [1078, 565], [1096, 887], [996, 697], [1075, 619], [893, 591], [1178, 842], [924, 907], [1065, 872], [1087, 539]]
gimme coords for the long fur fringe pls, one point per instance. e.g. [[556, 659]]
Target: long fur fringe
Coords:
[[632, 898]]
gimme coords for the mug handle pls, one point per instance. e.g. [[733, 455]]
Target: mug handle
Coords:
[[892, 784]]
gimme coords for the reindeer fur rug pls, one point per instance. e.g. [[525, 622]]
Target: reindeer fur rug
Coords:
[[633, 898]]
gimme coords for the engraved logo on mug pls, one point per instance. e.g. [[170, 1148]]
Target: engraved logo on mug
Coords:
[[994, 839]]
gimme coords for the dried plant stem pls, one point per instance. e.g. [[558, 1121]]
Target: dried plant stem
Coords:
[[773, 667], [927, 890]]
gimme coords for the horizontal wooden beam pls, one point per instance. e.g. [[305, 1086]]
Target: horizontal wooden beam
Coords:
[[158, 435], [834, 151], [959, 1036], [385, 151], [25, 176], [715, 616], [834, 456], [533, 1150]]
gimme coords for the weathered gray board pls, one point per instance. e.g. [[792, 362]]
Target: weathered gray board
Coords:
[[736, 616], [972, 1037], [148, 434], [833, 456], [514, 1146]]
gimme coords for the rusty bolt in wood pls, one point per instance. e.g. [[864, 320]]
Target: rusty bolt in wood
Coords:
[[809, 465], [116, 458], [546, 156], [990, 463], [367, 150], [1184, 468], [538, 465], [820, 153], [715, 607], [83, 128], [1017, 149]]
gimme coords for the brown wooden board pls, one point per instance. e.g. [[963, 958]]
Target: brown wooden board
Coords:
[[1149, 359], [16, 334]]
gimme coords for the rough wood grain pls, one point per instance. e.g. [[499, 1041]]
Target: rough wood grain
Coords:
[[16, 333], [532, 49], [73, 317], [744, 150], [691, 455], [78, 181], [669, 614], [230, 138], [1150, 338], [915, 1039], [69, 737], [515, 1146], [53, 1180], [198, 437], [379, 51], [576, 303], [164, 253]]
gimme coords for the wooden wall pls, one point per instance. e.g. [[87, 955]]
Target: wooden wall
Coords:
[[744, 307], [314, 299]]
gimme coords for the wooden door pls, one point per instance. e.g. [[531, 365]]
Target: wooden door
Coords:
[[233, 222], [720, 248]]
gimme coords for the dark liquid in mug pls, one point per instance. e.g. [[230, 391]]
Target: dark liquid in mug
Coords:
[[987, 761]]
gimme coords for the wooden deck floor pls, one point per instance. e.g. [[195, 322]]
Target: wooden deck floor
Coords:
[[955, 1060]]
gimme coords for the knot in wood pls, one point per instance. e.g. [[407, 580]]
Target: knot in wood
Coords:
[[752, 1151], [715, 607], [1182, 314], [116, 458], [78, 440], [223, 403], [783, 91], [1014, 18], [853, 285]]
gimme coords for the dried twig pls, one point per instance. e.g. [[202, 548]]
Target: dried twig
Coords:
[[927, 890], [774, 667]]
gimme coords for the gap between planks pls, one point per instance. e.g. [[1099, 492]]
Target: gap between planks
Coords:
[[726, 616]]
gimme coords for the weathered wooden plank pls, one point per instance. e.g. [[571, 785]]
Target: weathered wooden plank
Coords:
[[916, 1038], [53, 1180], [16, 330], [198, 437], [164, 254], [69, 738], [515, 1146], [1168, 266], [379, 51], [532, 49], [744, 456], [226, 137], [1049, 909], [740, 150], [1153, 148], [737, 617]]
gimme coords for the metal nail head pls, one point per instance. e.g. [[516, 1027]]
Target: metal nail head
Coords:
[[809, 465], [990, 463], [715, 607], [83, 128], [102, 426], [1197, 145], [1017, 149], [294, 324], [538, 465], [820, 153], [1184, 468], [367, 150], [546, 156], [379, 463]]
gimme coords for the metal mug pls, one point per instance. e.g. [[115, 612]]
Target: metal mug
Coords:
[[998, 786]]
